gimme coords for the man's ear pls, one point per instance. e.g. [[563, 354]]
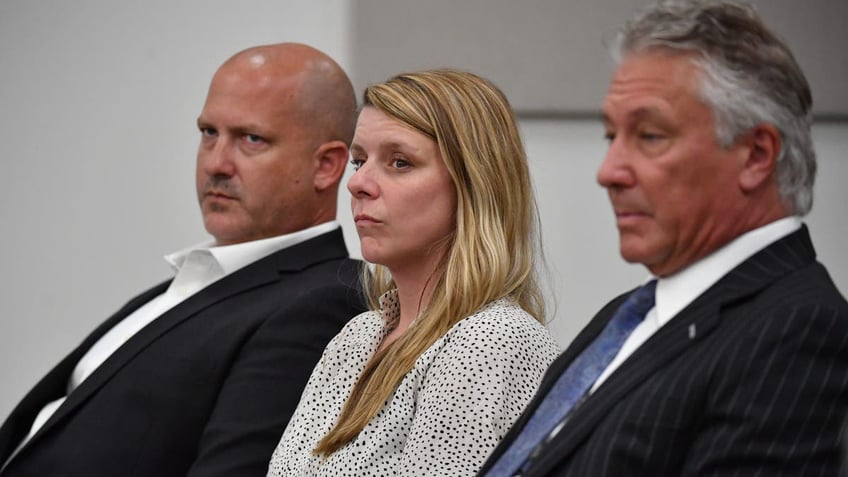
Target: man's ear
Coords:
[[332, 158], [763, 146]]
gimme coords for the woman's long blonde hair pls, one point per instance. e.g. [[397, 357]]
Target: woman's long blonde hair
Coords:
[[492, 252]]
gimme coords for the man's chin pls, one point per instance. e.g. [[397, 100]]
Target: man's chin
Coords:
[[223, 229], [633, 252]]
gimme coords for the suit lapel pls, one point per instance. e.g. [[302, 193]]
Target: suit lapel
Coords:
[[55, 384], [329, 246], [702, 316]]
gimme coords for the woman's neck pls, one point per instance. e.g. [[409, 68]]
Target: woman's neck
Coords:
[[414, 291]]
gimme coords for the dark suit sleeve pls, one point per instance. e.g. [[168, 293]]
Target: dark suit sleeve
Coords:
[[265, 382], [777, 401]]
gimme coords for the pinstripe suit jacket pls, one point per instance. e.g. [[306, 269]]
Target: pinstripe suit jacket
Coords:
[[760, 389]]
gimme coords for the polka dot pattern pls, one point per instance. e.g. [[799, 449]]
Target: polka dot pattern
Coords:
[[445, 416]]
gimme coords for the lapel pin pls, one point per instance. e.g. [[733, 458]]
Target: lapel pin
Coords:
[[692, 331]]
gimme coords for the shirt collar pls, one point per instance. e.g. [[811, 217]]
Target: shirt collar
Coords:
[[232, 257], [677, 291]]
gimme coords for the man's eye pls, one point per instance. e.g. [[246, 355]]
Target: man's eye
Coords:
[[209, 132], [253, 139], [647, 136]]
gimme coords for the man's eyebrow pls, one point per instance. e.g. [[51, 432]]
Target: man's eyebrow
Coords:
[[644, 112]]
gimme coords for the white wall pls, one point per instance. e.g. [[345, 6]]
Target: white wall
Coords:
[[97, 141]]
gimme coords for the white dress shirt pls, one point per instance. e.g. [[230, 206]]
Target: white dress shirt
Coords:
[[196, 267], [676, 292]]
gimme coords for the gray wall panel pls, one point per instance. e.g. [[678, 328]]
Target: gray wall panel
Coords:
[[548, 55]]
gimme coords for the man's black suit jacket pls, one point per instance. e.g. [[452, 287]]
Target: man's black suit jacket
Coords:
[[750, 379], [204, 390]]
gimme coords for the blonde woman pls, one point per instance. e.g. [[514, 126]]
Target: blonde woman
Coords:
[[431, 379]]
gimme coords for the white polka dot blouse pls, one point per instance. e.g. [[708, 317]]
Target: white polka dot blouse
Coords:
[[446, 415]]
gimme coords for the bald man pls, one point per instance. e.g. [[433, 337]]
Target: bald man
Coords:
[[199, 375]]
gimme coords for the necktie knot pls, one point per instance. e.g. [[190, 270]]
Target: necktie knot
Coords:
[[637, 305]]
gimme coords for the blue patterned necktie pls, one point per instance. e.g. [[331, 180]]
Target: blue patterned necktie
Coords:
[[573, 384]]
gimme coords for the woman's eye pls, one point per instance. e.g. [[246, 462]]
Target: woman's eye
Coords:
[[356, 163], [400, 163]]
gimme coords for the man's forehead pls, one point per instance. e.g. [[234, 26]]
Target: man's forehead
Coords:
[[612, 113], [647, 86]]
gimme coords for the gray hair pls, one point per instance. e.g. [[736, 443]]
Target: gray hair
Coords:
[[748, 77]]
